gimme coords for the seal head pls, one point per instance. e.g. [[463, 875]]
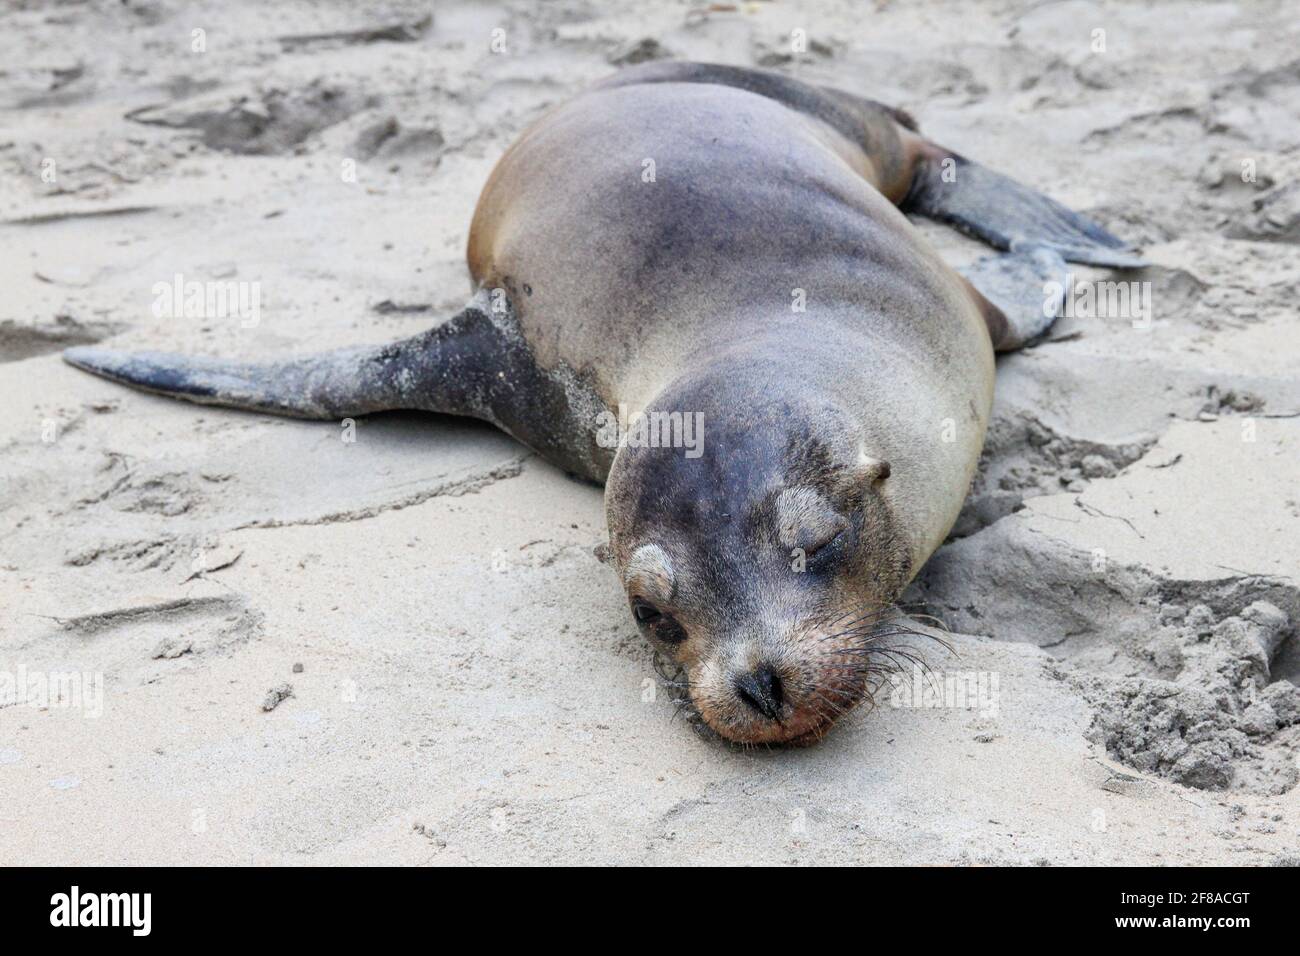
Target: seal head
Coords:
[[766, 566]]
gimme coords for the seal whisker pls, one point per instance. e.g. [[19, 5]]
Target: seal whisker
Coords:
[[874, 655]]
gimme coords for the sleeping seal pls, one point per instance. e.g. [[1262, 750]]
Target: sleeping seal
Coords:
[[724, 246]]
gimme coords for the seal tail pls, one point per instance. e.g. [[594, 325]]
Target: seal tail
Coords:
[[1008, 215], [413, 373]]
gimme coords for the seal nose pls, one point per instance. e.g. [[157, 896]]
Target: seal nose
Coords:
[[761, 689]]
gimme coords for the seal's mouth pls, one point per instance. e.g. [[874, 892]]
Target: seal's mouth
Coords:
[[797, 698], [801, 721]]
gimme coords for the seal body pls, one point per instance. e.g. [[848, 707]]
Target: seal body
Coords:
[[723, 247], [713, 227], [727, 257]]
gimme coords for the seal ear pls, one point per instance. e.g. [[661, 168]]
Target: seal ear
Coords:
[[650, 571], [872, 469]]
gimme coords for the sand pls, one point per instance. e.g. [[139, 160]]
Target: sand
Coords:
[[279, 642]]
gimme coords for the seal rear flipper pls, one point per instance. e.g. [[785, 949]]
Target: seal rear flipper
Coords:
[[1020, 293], [1008, 215]]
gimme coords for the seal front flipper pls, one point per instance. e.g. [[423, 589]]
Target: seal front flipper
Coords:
[[323, 386], [448, 369], [1021, 293], [1007, 214], [476, 364]]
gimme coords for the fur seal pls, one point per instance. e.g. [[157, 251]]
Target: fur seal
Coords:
[[687, 239]]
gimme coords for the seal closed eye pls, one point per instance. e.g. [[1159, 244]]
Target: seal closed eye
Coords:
[[724, 247]]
